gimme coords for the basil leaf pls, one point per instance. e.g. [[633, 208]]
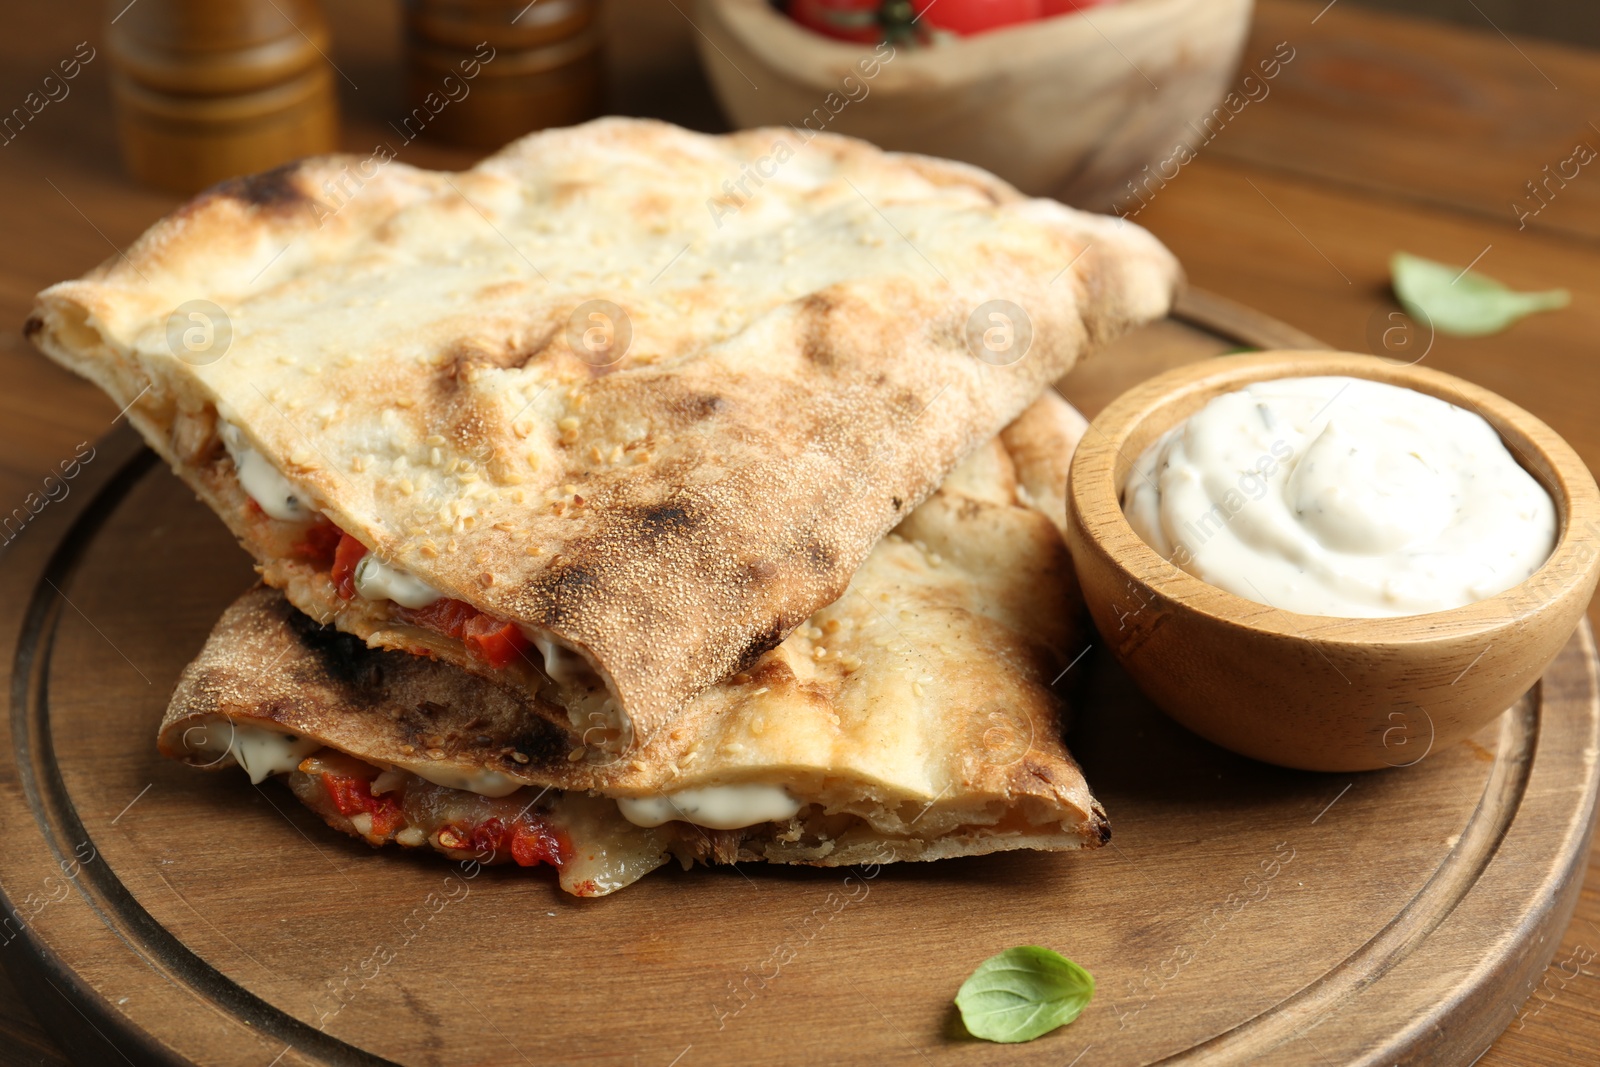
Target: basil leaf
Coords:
[[1022, 993], [1463, 303]]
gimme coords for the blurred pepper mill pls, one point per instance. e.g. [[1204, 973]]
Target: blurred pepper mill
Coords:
[[484, 72], [210, 89]]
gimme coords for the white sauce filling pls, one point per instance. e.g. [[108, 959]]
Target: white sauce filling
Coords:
[[717, 807], [565, 666], [1343, 497], [377, 580], [259, 751], [482, 781], [262, 752], [266, 485], [592, 708], [261, 481]]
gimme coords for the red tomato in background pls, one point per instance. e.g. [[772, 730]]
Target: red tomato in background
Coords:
[[844, 20], [1050, 8], [966, 17]]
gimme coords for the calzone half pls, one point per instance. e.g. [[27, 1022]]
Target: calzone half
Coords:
[[917, 717], [609, 414]]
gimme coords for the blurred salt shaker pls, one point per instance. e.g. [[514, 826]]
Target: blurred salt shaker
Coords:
[[484, 72], [210, 89]]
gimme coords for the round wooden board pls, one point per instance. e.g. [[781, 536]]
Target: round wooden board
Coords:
[[1242, 914]]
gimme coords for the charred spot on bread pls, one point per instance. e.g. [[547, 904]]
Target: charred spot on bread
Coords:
[[762, 643], [820, 557], [704, 405], [664, 520], [541, 745], [1099, 825], [565, 591], [908, 405], [32, 326], [344, 658], [815, 343], [274, 189]]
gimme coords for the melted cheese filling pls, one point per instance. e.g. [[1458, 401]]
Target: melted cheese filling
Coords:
[[562, 664], [482, 781], [262, 752], [591, 707], [377, 580], [259, 751], [716, 807], [261, 481]]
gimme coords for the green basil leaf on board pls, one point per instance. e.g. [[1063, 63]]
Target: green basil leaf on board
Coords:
[[1463, 303], [1023, 993]]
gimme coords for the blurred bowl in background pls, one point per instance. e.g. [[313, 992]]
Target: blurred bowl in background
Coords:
[[1072, 106]]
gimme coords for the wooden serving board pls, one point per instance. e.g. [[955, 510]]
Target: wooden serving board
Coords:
[[1242, 913]]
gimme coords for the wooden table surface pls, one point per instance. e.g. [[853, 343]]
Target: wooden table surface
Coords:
[[1382, 134]]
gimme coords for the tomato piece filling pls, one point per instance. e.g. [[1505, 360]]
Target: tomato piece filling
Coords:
[[497, 642], [352, 796], [320, 544], [346, 556], [529, 840]]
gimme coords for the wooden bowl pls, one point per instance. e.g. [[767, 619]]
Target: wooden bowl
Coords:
[[1311, 691], [1071, 106]]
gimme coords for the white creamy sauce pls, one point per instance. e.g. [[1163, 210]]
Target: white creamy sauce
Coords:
[[718, 807], [482, 781], [377, 580], [1341, 496], [564, 665], [263, 753], [592, 708], [263, 482]]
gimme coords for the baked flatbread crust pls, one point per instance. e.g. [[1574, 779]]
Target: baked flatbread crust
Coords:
[[798, 377], [915, 718]]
